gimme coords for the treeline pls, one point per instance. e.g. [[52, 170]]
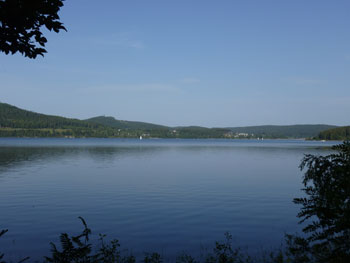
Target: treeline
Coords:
[[338, 134], [106, 132], [15, 122], [13, 117], [120, 124], [77, 132], [159, 131], [200, 132], [283, 131]]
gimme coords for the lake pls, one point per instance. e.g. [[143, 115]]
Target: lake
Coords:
[[153, 195]]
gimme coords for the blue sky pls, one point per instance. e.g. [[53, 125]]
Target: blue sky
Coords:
[[191, 62]]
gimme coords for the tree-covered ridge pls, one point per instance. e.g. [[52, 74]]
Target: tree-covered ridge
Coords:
[[120, 124], [13, 117], [16, 122], [340, 133]]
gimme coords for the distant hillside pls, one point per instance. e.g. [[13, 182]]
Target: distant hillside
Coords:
[[160, 131], [16, 122], [339, 134], [119, 124], [283, 131], [13, 117]]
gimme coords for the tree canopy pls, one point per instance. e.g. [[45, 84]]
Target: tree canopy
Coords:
[[21, 23], [340, 133], [326, 208]]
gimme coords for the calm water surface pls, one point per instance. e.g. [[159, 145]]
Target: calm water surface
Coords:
[[153, 195]]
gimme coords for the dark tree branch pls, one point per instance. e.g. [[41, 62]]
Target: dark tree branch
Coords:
[[21, 22]]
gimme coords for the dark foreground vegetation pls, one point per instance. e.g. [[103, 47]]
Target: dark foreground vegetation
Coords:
[[325, 214], [16, 122]]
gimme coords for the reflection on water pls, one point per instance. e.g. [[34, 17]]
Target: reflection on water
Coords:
[[11, 157], [165, 195]]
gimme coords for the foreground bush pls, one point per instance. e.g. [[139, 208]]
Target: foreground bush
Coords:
[[326, 209], [79, 249]]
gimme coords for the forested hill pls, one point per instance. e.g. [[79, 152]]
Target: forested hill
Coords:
[[13, 117], [340, 133], [283, 131], [120, 124], [16, 122]]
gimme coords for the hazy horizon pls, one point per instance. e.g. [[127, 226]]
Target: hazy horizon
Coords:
[[186, 63]]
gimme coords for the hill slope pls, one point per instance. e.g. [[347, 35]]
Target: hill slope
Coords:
[[18, 122], [13, 117], [119, 124]]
